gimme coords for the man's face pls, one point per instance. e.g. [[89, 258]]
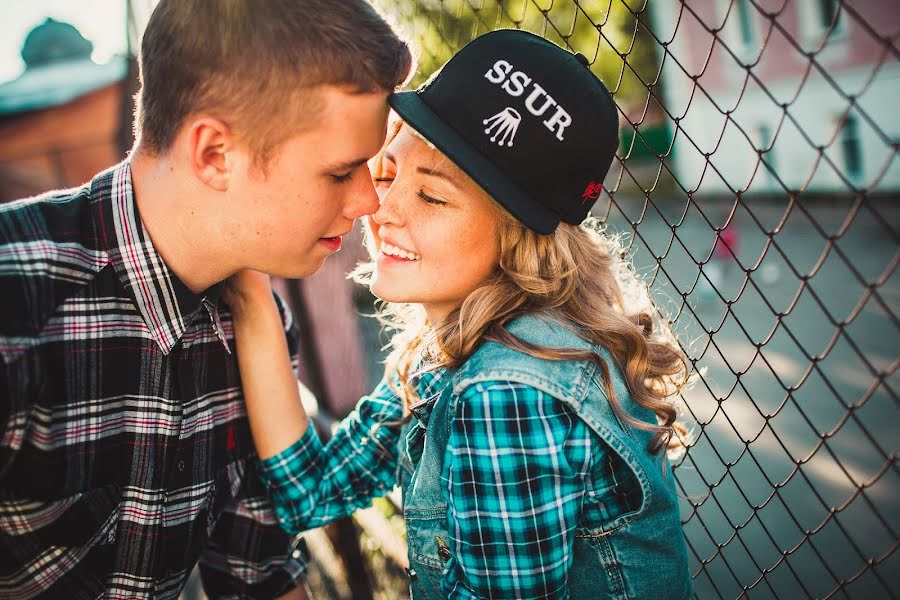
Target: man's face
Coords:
[[293, 213]]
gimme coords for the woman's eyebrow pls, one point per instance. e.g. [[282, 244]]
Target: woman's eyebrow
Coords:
[[435, 173], [426, 171]]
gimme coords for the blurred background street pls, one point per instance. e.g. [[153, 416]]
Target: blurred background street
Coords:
[[766, 405]]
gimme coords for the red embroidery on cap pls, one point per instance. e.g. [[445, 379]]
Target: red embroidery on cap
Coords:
[[591, 192], [229, 443]]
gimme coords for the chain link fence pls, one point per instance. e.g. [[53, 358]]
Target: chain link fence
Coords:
[[757, 183]]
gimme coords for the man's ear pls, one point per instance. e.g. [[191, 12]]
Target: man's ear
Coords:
[[209, 142]]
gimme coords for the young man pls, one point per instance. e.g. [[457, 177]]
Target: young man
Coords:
[[125, 455]]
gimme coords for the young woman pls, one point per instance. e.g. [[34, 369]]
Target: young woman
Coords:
[[526, 409]]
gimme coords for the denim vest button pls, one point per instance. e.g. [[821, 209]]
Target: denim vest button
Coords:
[[411, 573], [444, 553]]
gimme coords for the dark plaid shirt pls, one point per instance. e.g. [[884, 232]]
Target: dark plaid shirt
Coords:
[[125, 454]]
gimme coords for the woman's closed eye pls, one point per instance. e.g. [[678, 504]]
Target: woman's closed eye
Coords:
[[387, 181], [430, 199]]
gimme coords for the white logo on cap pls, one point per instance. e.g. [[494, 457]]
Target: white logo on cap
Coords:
[[516, 83], [504, 124]]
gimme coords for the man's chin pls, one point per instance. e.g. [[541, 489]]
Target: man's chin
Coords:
[[310, 268]]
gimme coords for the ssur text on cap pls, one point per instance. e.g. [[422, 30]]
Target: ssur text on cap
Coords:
[[515, 84]]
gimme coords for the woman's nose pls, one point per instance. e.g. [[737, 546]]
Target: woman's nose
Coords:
[[389, 212]]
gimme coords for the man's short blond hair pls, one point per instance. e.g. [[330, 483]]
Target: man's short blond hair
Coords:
[[253, 63]]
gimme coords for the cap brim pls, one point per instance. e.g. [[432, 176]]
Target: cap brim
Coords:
[[503, 190]]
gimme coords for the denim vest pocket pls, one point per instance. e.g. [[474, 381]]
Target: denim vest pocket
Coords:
[[634, 563], [424, 527], [425, 582], [603, 530], [604, 578]]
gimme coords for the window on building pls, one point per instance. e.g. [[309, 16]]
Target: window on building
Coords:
[[828, 12], [740, 29], [763, 143], [745, 22], [851, 148], [821, 17]]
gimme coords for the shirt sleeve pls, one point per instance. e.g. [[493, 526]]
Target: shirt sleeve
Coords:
[[312, 484], [516, 467]]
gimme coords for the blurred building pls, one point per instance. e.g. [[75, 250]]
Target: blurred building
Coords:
[[62, 120], [801, 81]]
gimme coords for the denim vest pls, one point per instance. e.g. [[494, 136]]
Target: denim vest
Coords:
[[639, 555]]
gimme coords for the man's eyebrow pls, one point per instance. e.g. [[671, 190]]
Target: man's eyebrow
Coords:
[[347, 165], [425, 170]]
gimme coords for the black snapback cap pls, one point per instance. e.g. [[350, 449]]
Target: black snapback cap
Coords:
[[524, 118]]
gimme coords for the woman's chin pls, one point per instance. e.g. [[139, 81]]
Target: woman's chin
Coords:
[[388, 293]]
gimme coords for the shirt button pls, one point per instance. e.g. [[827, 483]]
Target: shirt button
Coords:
[[181, 465], [411, 573]]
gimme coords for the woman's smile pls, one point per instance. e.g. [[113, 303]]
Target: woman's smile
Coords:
[[399, 253]]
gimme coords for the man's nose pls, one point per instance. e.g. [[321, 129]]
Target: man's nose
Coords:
[[363, 200]]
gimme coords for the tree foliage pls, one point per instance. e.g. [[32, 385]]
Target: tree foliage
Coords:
[[610, 33]]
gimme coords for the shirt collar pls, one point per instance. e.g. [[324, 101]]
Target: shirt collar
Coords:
[[429, 385], [166, 304]]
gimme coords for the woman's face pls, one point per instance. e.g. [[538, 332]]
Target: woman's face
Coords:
[[435, 230]]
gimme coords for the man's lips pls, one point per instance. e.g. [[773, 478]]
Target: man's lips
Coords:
[[333, 243]]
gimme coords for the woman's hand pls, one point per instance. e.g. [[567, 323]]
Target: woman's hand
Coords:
[[246, 291], [276, 415]]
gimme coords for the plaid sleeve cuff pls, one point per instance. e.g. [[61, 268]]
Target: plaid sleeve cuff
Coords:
[[276, 470], [287, 475], [311, 485]]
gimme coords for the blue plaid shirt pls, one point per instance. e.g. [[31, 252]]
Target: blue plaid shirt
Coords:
[[521, 471]]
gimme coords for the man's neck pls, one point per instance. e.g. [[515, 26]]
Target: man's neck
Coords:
[[182, 227]]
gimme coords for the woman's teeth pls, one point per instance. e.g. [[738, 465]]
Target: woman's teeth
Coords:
[[399, 252]]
